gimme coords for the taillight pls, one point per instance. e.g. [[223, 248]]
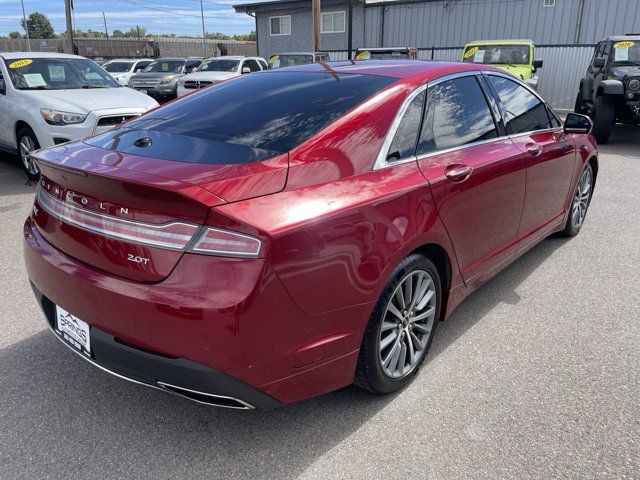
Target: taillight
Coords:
[[174, 235], [214, 241]]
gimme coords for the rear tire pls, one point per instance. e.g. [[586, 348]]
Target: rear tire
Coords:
[[27, 143], [397, 339], [604, 118], [580, 203]]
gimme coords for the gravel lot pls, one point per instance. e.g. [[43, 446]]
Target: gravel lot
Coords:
[[537, 375]]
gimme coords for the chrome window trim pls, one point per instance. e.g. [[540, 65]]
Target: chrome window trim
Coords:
[[460, 147]]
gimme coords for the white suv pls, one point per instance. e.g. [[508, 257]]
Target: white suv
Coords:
[[217, 69], [122, 68], [50, 98]]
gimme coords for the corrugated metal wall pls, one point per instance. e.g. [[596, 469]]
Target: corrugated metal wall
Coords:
[[453, 23], [558, 79]]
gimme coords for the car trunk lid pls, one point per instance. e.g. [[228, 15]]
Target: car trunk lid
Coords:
[[134, 216]]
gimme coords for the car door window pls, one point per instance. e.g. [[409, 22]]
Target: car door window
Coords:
[[2, 85], [524, 112], [457, 114], [141, 66], [263, 64], [406, 136], [252, 64]]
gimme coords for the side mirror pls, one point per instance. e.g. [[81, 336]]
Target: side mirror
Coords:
[[576, 123], [599, 62], [246, 70], [536, 64]]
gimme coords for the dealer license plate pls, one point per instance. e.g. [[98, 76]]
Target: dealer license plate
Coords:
[[73, 330]]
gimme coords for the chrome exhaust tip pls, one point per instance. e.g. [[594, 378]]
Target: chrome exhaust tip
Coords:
[[207, 398]]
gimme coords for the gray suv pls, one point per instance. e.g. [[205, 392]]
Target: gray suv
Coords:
[[160, 79]]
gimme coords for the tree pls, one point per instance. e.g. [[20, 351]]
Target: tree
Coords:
[[15, 35], [134, 32], [246, 37], [39, 26], [117, 33]]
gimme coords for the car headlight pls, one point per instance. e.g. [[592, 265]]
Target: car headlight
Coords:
[[166, 80], [634, 84], [55, 117]]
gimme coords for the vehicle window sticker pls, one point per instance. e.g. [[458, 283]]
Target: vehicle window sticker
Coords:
[[56, 73], [34, 80], [478, 56], [21, 63], [470, 52], [364, 55], [622, 51]]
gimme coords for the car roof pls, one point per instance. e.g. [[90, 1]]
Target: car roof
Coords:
[[301, 53], [383, 49], [514, 41], [20, 55], [424, 70], [233, 57], [622, 38]]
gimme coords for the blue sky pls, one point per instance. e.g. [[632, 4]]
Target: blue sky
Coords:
[[161, 16]]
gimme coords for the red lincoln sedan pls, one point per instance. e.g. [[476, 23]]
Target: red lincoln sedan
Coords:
[[287, 233]]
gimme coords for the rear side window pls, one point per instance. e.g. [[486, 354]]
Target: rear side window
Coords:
[[457, 114], [251, 118], [524, 112], [406, 137]]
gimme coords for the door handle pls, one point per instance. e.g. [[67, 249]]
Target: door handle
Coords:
[[457, 173], [533, 149]]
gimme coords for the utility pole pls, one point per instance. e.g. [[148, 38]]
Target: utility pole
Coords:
[[204, 35], [315, 11], [106, 32], [350, 35], [67, 13], [26, 26]]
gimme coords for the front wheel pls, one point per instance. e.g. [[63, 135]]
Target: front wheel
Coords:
[[604, 118], [580, 203], [27, 143], [401, 327]]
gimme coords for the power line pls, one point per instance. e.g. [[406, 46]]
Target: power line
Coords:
[[164, 11]]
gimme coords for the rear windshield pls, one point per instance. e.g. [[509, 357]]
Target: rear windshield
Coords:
[[251, 118]]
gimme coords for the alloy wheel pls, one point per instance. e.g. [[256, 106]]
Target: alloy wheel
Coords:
[[27, 145], [581, 199], [407, 324]]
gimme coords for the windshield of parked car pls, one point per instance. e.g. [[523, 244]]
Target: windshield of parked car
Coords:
[[165, 66], [289, 60], [117, 67], [57, 74], [626, 52], [252, 118], [222, 65], [497, 54]]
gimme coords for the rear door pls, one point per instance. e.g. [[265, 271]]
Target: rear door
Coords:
[[549, 155], [5, 116], [476, 173]]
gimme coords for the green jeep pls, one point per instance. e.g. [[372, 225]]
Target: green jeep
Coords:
[[514, 56]]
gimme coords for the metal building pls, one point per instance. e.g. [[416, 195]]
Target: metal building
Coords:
[[564, 30]]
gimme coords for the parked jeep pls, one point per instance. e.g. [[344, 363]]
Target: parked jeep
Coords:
[[610, 92], [514, 56]]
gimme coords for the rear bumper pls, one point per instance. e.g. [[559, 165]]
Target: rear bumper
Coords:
[[175, 375], [229, 320]]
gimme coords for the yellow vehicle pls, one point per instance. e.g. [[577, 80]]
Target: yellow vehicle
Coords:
[[514, 56]]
